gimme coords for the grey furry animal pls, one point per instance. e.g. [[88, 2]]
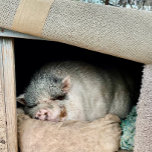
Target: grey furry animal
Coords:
[[77, 91]]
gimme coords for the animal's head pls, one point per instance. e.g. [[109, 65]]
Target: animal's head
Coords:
[[47, 88], [52, 111], [44, 98]]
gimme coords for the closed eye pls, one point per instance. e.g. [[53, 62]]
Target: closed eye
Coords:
[[31, 106], [60, 97]]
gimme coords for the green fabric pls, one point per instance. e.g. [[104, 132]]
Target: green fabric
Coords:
[[128, 130]]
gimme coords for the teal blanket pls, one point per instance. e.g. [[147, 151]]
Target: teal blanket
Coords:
[[128, 130]]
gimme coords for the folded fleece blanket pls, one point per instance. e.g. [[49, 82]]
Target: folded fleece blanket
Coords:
[[70, 136], [111, 30]]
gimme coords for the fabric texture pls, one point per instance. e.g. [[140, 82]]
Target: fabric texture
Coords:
[[143, 137], [7, 12], [27, 15], [72, 136], [110, 30], [128, 127], [120, 32]]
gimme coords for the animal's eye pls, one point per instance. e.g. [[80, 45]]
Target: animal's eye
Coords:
[[31, 106], [60, 97]]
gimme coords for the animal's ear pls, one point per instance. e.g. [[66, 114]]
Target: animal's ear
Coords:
[[21, 99], [66, 84]]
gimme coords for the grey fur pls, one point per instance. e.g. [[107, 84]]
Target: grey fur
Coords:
[[93, 93]]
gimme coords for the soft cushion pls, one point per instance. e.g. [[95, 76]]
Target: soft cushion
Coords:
[[102, 135]]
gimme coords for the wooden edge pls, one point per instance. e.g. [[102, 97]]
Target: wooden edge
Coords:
[[9, 89], [3, 131], [12, 34]]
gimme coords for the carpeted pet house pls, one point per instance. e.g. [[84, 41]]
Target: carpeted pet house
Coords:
[[118, 31]]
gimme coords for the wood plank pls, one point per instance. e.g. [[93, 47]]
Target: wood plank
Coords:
[[3, 131], [12, 34], [9, 92]]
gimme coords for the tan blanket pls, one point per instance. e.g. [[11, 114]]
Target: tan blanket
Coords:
[[101, 135]]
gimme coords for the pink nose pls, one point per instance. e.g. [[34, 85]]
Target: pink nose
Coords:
[[47, 114], [42, 114]]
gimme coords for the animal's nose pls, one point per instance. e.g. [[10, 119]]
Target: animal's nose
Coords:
[[42, 114], [49, 114], [36, 117]]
